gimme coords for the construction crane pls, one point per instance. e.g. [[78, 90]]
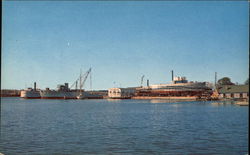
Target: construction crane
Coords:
[[142, 80], [80, 79], [85, 78], [82, 82]]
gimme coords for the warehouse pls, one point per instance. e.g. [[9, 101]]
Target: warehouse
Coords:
[[233, 91]]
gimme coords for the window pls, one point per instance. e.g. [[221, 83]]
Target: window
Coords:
[[241, 95]]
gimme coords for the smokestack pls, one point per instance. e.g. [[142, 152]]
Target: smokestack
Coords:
[[66, 85], [172, 75], [148, 83], [34, 85]]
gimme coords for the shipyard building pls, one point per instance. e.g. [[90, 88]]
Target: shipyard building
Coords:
[[233, 91]]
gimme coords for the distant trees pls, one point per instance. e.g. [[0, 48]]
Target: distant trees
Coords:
[[225, 81]]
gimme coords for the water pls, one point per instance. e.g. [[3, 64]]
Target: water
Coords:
[[122, 127]]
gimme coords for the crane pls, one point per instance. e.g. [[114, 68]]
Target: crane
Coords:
[[82, 82], [85, 78], [79, 79]]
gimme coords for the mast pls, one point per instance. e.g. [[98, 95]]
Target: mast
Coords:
[[215, 80], [83, 78], [80, 79], [90, 76]]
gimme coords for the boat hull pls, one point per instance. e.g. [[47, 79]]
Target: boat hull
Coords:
[[185, 89], [30, 94], [58, 94]]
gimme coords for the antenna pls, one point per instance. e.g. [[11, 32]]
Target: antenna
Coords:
[[80, 79], [215, 79]]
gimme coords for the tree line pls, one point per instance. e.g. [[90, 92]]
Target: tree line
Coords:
[[227, 81]]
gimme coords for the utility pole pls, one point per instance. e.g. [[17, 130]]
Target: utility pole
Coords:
[[172, 75], [215, 79]]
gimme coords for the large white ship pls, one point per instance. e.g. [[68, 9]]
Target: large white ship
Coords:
[[179, 87]]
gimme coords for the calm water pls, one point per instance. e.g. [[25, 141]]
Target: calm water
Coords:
[[122, 127]]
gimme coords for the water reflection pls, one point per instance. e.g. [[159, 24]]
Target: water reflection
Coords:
[[164, 101], [223, 103], [177, 105], [159, 101]]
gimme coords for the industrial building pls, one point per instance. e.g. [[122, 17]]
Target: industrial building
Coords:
[[121, 93], [10, 93]]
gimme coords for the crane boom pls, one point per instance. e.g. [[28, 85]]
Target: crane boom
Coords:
[[85, 78], [75, 83], [81, 82]]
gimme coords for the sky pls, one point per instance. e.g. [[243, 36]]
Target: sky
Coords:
[[50, 41]]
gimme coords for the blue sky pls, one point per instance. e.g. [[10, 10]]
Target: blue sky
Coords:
[[48, 42]]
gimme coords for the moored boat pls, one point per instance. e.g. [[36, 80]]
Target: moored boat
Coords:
[[63, 92], [30, 93], [179, 87]]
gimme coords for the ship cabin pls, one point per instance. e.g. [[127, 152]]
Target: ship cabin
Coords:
[[64, 87]]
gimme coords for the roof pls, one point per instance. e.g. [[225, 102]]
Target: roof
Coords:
[[124, 88], [233, 88]]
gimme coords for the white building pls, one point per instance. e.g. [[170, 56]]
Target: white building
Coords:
[[121, 93]]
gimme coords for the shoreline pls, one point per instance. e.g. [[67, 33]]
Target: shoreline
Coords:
[[144, 98], [164, 98]]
